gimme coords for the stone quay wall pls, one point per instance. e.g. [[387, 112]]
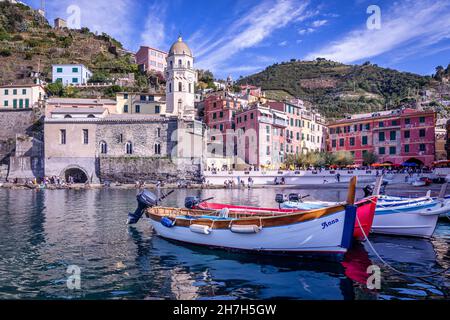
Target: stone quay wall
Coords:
[[132, 169]]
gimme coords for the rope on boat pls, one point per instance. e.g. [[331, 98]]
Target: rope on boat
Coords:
[[391, 267]]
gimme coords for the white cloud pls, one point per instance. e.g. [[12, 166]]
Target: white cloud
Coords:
[[319, 23], [249, 31], [305, 31], [154, 30], [283, 44], [407, 26]]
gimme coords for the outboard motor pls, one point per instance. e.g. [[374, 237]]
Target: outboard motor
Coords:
[[145, 199], [368, 190], [294, 197], [279, 198], [191, 202]]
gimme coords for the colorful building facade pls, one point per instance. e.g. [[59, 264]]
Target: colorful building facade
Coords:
[[71, 74], [261, 136], [306, 130], [21, 96], [219, 113], [398, 136], [140, 103], [152, 59]]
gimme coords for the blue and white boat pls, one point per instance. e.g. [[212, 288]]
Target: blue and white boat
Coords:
[[412, 217]]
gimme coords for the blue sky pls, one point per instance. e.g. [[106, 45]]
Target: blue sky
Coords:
[[241, 37]]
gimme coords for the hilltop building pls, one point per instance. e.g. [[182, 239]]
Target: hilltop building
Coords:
[[151, 59], [71, 74], [60, 23]]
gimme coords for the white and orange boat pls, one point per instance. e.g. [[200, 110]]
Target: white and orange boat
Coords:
[[326, 230]]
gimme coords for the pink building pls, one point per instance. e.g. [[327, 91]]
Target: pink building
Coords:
[[306, 130], [219, 116], [251, 90], [396, 137], [152, 59], [260, 134]]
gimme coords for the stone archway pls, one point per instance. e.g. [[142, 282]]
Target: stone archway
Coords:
[[76, 174], [416, 161]]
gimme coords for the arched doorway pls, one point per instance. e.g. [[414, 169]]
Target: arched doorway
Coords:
[[415, 161], [75, 175]]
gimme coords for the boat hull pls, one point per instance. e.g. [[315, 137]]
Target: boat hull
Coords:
[[326, 234], [410, 221], [404, 217]]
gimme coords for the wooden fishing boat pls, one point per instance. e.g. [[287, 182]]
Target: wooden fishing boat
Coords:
[[365, 212], [327, 230]]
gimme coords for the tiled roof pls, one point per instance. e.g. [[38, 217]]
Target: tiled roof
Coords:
[[93, 110], [79, 101]]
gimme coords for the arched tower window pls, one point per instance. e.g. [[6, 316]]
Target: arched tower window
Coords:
[[180, 63], [190, 88], [170, 87], [171, 64], [103, 147], [180, 86], [189, 64], [129, 147]]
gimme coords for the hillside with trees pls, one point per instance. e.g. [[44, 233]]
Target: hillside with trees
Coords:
[[337, 89], [29, 46]]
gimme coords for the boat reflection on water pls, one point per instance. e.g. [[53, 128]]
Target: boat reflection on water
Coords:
[[203, 273], [356, 263]]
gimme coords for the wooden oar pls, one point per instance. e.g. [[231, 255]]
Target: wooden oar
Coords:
[[352, 191]]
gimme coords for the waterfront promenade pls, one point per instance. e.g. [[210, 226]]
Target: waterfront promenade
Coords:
[[301, 177]]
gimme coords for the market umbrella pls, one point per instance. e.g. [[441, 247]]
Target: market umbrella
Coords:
[[409, 164]]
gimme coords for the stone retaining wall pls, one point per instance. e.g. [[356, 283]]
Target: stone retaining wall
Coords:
[[132, 169]]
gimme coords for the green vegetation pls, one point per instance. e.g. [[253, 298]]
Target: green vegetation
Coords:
[[338, 89], [205, 79], [319, 159], [28, 43], [5, 52], [442, 73], [370, 158]]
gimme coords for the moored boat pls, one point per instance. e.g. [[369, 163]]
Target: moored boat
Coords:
[[412, 217], [327, 230], [365, 211]]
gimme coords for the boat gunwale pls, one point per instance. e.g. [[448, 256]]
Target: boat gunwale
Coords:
[[261, 220]]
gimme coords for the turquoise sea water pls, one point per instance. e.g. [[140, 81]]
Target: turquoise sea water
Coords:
[[42, 233]]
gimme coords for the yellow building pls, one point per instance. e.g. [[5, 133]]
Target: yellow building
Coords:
[[140, 103], [21, 96]]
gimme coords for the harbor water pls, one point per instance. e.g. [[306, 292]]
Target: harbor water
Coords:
[[44, 233]]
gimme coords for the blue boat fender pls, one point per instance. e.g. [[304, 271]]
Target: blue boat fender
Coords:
[[168, 223]]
